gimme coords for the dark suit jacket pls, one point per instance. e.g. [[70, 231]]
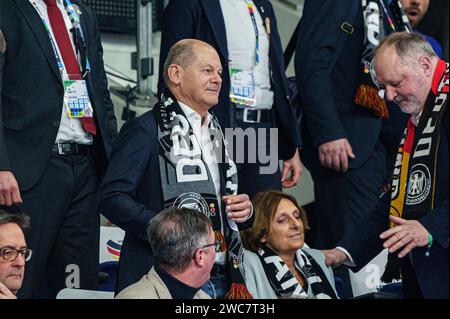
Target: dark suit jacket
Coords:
[[203, 20], [32, 93], [131, 194], [363, 243], [327, 96]]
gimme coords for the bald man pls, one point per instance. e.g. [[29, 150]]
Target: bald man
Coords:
[[175, 155], [409, 73]]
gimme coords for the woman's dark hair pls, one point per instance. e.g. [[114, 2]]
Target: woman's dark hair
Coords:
[[265, 205]]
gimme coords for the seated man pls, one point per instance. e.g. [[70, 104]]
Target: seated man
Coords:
[[184, 250], [175, 155], [13, 253]]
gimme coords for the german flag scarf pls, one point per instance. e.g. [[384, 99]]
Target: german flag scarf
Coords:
[[375, 14], [413, 185]]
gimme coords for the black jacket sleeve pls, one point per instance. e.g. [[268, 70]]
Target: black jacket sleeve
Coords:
[[118, 194]]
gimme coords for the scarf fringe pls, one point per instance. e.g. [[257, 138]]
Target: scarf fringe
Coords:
[[219, 236], [367, 97], [238, 291]]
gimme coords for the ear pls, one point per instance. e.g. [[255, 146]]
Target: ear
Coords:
[[263, 239], [199, 257], [426, 65], [175, 73]]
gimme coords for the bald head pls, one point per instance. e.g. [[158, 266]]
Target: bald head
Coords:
[[404, 66], [192, 72], [408, 46], [183, 53]]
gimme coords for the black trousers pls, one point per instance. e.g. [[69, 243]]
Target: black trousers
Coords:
[[64, 232]]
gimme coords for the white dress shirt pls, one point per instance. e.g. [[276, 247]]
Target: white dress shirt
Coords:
[[203, 137], [70, 129], [241, 41]]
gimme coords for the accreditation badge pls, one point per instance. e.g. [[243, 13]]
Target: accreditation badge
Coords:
[[242, 86], [76, 98]]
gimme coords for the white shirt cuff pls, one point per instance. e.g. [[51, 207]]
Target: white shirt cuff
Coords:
[[350, 262]]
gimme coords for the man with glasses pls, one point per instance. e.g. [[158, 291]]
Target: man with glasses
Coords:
[[13, 253], [184, 249]]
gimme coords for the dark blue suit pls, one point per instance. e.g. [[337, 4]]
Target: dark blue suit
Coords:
[[203, 20], [131, 194], [363, 243]]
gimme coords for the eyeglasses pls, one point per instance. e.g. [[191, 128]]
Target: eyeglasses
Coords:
[[217, 244], [10, 254]]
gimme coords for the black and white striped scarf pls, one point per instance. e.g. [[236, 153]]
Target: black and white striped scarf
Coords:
[[186, 181], [283, 281], [381, 18]]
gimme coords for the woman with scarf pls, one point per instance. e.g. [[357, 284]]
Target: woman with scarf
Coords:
[[278, 264]]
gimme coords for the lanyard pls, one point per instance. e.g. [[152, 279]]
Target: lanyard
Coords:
[[255, 27], [388, 16], [78, 36]]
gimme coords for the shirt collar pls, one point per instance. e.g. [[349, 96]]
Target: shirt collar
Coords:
[[415, 118], [193, 115]]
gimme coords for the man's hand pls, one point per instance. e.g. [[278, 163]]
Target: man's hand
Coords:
[[334, 257], [334, 155], [9, 189], [5, 293], [238, 207], [294, 167], [408, 234]]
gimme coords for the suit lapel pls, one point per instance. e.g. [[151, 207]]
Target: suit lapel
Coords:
[[37, 27], [213, 13]]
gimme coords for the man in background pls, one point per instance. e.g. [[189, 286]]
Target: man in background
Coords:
[[416, 10], [13, 253], [56, 126]]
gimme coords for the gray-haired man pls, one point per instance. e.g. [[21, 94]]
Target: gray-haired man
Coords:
[[183, 245]]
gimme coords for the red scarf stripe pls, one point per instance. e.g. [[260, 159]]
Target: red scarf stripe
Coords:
[[409, 137], [440, 69]]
